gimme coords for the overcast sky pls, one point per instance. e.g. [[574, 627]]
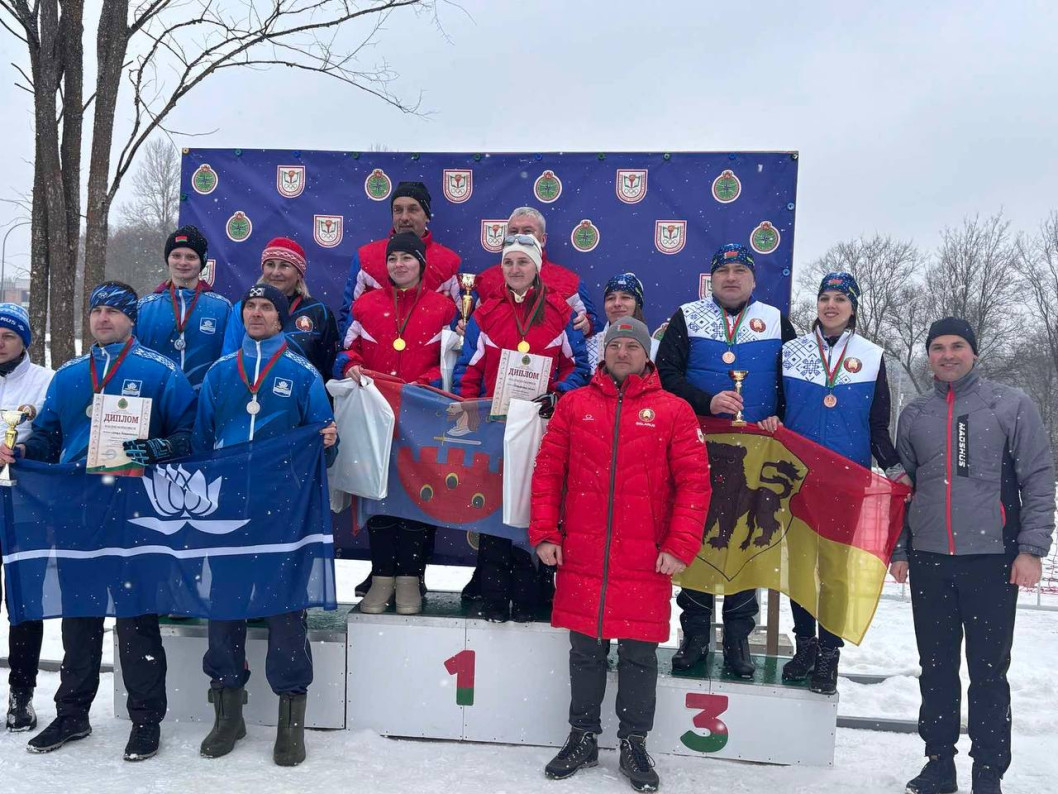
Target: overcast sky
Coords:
[[907, 115]]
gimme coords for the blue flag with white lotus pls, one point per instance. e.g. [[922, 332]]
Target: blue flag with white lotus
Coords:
[[242, 533]]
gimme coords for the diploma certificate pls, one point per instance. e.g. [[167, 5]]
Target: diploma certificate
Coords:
[[521, 376], [116, 419]]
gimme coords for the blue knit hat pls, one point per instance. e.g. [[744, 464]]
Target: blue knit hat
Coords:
[[730, 254], [117, 295], [842, 282], [269, 293], [15, 317], [626, 282]]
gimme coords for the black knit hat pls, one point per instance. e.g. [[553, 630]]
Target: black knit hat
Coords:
[[269, 293], [187, 237], [408, 243], [415, 190], [952, 326]]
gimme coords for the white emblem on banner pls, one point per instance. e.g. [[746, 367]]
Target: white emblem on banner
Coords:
[[492, 233], [705, 286], [631, 185], [209, 272], [327, 230], [670, 236], [184, 498], [458, 184], [290, 180]]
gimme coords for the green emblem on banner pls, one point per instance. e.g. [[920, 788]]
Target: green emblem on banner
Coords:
[[547, 187], [238, 227], [726, 187], [204, 180], [378, 186], [585, 236], [765, 238]]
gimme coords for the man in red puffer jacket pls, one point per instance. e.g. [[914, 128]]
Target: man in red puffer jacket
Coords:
[[623, 465]]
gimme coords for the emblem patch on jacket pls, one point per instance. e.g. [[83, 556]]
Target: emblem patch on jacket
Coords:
[[208, 325], [962, 446], [132, 388], [282, 387]]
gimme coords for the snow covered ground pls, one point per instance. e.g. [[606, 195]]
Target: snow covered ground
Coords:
[[866, 762]]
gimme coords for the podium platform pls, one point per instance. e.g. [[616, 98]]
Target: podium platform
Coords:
[[448, 675], [187, 685]]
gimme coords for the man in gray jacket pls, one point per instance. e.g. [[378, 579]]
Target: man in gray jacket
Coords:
[[981, 518]]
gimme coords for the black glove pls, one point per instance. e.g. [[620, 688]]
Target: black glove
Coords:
[[145, 451], [547, 404]]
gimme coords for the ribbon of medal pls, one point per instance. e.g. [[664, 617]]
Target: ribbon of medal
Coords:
[[731, 332], [97, 385], [830, 400], [253, 407], [182, 318]]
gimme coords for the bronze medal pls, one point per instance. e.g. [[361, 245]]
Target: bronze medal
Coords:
[[728, 357], [830, 401]]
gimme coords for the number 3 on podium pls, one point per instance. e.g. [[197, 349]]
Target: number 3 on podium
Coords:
[[708, 718], [462, 667]]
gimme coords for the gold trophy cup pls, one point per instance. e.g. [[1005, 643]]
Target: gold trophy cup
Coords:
[[738, 375], [13, 417], [466, 282]]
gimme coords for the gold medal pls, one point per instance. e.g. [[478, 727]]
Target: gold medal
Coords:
[[728, 357], [523, 347], [830, 401], [399, 344]]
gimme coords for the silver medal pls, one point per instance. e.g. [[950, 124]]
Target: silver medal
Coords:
[[180, 344], [253, 407]]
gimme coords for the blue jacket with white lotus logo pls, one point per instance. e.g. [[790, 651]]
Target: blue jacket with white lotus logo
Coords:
[[204, 327], [290, 395], [61, 429]]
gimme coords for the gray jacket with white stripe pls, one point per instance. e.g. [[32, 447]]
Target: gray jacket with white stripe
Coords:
[[981, 463]]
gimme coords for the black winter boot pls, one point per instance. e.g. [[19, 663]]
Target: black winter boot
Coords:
[[361, 589], [289, 749], [637, 765], [737, 659], [496, 611], [825, 678], [580, 751], [472, 589], [61, 731], [804, 660], [936, 777], [691, 651], [228, 724], [143, 742], [986, 780], [20, 713]]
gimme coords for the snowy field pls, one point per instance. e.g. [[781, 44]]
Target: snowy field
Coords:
[[360, 761]]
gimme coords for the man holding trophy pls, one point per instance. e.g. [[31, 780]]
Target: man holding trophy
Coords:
[[65, 428], [22, 388], [709, 346]]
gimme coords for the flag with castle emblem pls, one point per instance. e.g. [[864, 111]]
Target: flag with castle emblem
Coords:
[[242, 533], [790, 515]]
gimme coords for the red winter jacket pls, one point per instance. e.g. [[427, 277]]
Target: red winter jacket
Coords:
[[627, 476], [565, 282], [369, 340], [442, 265], [492, 329]]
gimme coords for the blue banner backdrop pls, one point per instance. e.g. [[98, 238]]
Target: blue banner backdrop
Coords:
[[661, 215]]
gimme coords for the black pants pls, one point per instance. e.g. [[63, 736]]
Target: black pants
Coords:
[[952, 596], [804, 627], [740, 609], [637, 684], [288, 661], [142, 666], [398, 546], [507, 572], [23, 655]]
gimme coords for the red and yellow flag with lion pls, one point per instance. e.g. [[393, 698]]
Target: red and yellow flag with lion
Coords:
[[790, 515]]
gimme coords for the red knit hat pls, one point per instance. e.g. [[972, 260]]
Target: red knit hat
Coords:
[[285, 250]]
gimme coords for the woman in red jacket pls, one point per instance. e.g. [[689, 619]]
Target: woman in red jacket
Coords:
[[397, 330], [530, 318], [620, 494]]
